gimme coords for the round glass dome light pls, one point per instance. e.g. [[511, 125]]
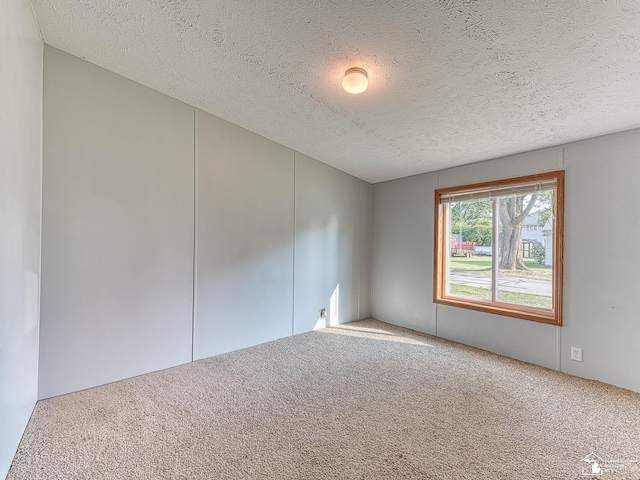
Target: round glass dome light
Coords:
[[355, 80]]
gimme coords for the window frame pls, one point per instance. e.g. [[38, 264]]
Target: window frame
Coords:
[[553, 316]]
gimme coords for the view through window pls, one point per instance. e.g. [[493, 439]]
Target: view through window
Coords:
[[498, 247]]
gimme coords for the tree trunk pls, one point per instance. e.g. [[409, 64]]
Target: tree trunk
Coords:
[[512, 216], [510, 246]]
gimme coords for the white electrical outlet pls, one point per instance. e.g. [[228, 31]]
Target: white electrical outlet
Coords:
[[576, 354]]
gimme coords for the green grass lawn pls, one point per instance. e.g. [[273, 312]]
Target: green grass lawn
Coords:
[[477, 264], [539, 301]]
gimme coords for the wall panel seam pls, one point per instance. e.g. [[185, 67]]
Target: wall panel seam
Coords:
[[195, 234], [293, 263]]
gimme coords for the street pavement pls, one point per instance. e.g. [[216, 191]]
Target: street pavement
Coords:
[[510, 284]]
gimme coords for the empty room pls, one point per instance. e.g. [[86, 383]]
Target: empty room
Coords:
[[319, 239]]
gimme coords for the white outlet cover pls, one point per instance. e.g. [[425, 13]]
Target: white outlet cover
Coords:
[[576, 354]]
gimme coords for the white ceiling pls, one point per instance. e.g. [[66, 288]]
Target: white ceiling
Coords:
[[451, 81]]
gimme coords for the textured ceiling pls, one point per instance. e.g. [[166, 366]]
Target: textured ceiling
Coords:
[[451, 81]]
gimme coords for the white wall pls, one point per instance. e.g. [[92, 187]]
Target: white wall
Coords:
[[118, 232], [402, 253], [599, 281], [333, 224], [245, 239], [118, 227], [20, 213]]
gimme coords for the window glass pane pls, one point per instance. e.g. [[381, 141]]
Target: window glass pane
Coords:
[[469, 271], [525, 254]]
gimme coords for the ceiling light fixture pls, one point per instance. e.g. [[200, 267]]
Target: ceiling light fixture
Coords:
[[355, 80]]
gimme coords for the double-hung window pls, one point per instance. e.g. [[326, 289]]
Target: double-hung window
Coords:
[[485, 258]]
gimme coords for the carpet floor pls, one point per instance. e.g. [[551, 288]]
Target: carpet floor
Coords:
[[365, 400]]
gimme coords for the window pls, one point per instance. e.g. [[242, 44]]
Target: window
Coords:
[[482, 261]]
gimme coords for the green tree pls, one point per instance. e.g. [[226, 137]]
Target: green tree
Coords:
[[480, 231], [538, 254], [469, 210], [460, 228], [472, 220], [545, 202]]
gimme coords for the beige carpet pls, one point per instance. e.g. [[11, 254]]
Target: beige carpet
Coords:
[[361, 401]]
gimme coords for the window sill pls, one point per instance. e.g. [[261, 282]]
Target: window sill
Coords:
[[524, 313]]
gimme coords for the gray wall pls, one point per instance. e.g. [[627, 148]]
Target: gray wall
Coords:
[[245, 239], [332, 215], [122, 244], [402, 253], [601, 282], [20, 213], [601, 208], [117, 233]]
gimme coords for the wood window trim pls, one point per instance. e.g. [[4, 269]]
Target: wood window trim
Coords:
[[522, 312]]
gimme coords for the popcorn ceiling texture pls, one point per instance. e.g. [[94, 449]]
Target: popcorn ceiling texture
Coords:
[[451, 81]]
